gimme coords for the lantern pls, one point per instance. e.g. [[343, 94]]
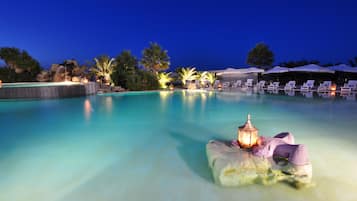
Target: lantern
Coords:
[[247, 135], [171, 87], [219, 86], [333, 87]]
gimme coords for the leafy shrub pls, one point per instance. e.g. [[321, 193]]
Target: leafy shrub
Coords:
[[142, 80]]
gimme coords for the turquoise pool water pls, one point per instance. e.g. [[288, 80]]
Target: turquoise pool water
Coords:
[[151, 146]]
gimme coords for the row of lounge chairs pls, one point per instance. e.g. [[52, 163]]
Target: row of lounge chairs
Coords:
[[309, 85]]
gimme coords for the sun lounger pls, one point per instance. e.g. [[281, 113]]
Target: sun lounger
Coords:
[[308, 85], [350, 86], [237, 84], [216, 84], [290, 85], [226, 85], [325, 86], [261, 84], [273, 86], [249, 83]]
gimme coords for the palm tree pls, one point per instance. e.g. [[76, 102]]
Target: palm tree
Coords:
[[104, 67], [202, 76], [211, 77], [187, 74], [155, 58], [163, 79]]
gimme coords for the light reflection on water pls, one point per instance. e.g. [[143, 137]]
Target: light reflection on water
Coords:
[[87, 109], [108, 104]]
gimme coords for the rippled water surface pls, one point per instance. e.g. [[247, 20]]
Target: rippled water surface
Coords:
[[151, 146]]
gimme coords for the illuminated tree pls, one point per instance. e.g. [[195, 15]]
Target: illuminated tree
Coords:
[[187, 74], [211, 77], [202, 76], [104, 67], [163, 79]]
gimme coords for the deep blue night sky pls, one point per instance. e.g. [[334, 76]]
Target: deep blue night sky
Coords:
[[205, 34]]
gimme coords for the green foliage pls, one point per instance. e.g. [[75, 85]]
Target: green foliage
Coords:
[[164, 79], [126, 67], [260, 56], [211, 77], [104, 67], [202, 76], [7, 75], [21, 66], [127, 74], [187, 74], [155, 58], [143, 80]]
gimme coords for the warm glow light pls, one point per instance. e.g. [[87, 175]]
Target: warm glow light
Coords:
[[191, 86], [247, 135], [171, 87], [164, 94], [333, 87], [85, 80], [163, 79], [333, 93], [87, 109], [67, 82]]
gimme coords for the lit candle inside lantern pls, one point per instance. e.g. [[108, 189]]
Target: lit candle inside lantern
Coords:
[[247, 135], [171, 87], [333, 87]]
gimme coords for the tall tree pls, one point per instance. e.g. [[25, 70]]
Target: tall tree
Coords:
[[21, 63], [125, 68], [155, 58], [260, 56], [104, 66]]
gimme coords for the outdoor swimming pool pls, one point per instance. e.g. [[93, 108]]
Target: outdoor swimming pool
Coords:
[[151, 146]]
